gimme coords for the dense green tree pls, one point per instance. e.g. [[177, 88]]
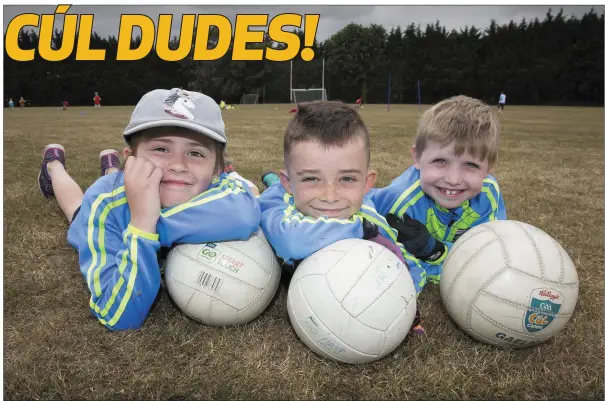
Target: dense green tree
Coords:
[[558, 60]]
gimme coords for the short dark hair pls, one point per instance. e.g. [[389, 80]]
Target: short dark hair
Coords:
[[329, 123]]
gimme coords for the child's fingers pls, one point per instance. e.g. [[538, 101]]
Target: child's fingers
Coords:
[[146, 168], [129, 162], [156, 176]]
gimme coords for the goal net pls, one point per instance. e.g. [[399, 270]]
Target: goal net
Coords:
[[249, 98], [308, 95]]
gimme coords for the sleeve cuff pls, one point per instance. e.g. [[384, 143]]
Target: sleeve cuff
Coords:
[[152, 237], [442, 258]]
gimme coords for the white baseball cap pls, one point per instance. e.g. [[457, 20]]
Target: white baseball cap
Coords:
[[177, 108]]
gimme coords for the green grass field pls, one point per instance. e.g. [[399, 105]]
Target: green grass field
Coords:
[[550, 171]]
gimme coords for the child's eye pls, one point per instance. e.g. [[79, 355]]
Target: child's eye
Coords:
[[439, 161], [472, 165], [195, 153], [309, 179], [161, 150], [348, 179]]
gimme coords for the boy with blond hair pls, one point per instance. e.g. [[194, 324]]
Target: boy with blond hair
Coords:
[[449, 189], [320, 196]]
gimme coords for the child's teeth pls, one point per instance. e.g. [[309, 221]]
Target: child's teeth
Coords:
[[451, 192]]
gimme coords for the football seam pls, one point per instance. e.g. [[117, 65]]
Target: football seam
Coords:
[[464, 241], [559, 248], [464, 266], [479, 291], [571, 284], [494, 276], [533, 244], [351, 289], [331, 251], [204, 294]]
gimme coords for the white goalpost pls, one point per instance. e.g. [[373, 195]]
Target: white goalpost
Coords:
[[308, 95], [249, 98]]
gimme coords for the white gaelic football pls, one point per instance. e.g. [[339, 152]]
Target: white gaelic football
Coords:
[[353, 301], [508, 283], [223, 283]]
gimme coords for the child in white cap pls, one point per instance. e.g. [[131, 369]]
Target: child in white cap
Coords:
[[172, 189]]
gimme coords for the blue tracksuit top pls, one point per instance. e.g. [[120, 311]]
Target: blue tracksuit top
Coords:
[[295, 236], [119, 261], [405, 196]]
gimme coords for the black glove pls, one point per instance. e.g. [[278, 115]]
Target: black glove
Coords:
[[415, 238], [370, 230]]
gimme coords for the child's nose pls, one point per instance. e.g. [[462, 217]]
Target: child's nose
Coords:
[[330, 193], [177, 163], [453, 176]]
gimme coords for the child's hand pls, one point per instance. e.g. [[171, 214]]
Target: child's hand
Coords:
[[142, 187], [415, 238], [370, 230]]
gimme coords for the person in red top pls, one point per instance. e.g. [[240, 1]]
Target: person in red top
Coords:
[[358, 103], [97, 99], [65, 104]]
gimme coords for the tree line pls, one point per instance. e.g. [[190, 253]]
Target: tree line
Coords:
[[554, 61]]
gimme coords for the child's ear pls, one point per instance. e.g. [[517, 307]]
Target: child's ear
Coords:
[[127, 152], [285, 181], [370, 180], [415, 158]]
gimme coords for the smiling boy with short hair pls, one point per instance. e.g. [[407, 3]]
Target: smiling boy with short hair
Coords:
[[449, 189]]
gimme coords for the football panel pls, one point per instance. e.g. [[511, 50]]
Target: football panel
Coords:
[[556, 265], [315, 335], [337, 320], [265, 296], [383, 269], [396, 306], [179, 292], [210, 311], [469, 270], [355, 267], [318, 263]]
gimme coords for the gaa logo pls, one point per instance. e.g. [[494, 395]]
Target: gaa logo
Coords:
[[543, 307], [209, 252]]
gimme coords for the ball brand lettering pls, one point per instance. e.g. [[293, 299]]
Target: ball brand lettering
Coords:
[[545, 306], [549, 294], [208, 252], [329, 346], [230, 263], [538, 319], [514, 341], [311, 327]]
